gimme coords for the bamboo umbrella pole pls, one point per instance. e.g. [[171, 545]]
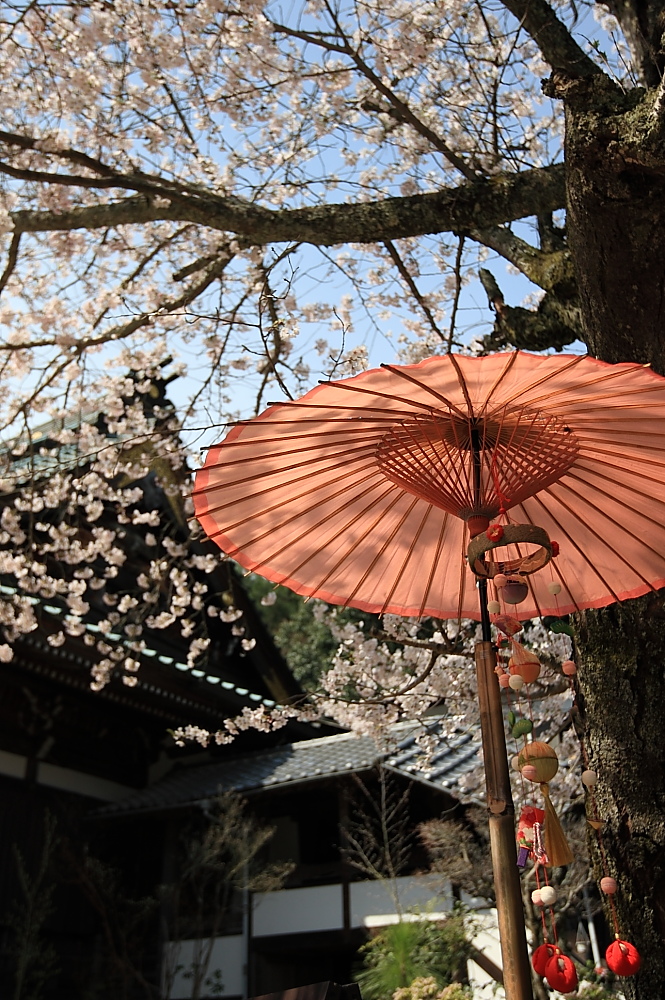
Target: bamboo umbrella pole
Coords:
[[510, 912], [501, 811]]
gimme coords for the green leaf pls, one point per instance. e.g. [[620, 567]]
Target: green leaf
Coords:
[[522, 727]]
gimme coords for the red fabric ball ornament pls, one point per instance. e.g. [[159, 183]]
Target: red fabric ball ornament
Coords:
[[623, 958], [569, 668], [608, 885], [495, 532], [541, 957], [561, 974], [555, 548], [504, 680]]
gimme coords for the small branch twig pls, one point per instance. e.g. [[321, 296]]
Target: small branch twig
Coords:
[[12, 257], [458, 292], [413, 288]]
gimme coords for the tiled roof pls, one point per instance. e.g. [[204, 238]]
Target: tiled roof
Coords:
[[309, 760]]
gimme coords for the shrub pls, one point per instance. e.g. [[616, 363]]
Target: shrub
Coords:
[[414, 951]]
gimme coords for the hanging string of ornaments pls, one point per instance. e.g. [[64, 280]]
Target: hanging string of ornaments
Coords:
[[541, 841]]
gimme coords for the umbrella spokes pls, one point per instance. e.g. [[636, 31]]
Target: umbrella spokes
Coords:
[[475, 466]]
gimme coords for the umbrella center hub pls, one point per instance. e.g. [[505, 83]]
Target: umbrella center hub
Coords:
[[477, 465]]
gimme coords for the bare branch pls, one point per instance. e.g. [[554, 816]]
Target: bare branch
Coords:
[[268, 300], [555, 323], [642, 25], [400, 107], [167, 306], [458, 291]]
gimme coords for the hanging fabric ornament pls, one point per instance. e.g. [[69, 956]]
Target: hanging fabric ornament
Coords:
[[556, 844], [539, 852], [541, 957], [520, 728], [548, 895], [543, 759], [529, 816], [524, 662], [561, 974], [507, 624], [623, 958]]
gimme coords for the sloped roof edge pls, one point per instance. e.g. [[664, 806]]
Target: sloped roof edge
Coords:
[[310, 760]]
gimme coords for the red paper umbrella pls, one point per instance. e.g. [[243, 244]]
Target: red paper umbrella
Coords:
[[366, 492], [358, 493]]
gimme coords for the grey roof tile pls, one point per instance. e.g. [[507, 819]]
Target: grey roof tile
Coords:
[[309, 760]]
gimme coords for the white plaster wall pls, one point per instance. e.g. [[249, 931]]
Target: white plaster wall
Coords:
[[320, 908], [486, 939], [228, 955], [373, 903], [294, 911]]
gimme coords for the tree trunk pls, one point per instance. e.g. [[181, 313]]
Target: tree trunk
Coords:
[[622, 683], [615, 189], [616, 234]]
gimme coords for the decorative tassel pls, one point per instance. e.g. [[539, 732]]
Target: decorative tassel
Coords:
[[556, 845], [524, 662]]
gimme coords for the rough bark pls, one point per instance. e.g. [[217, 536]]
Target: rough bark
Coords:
[[616, 235], [623, 691], [554, 324], [616, 196]]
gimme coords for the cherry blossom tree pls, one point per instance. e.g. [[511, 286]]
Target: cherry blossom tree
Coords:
[[268, 193]]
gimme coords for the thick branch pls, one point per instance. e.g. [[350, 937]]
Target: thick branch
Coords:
[[498, 200], [556, 322], [12, 257], [552, 37], [547, 270]]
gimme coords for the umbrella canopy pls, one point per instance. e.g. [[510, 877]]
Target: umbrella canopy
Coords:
[[358, 493]]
